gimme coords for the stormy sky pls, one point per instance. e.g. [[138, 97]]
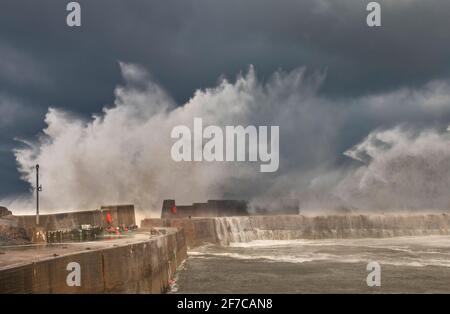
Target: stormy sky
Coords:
[[187, 45]]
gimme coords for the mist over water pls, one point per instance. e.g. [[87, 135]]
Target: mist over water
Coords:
[[123, 154]]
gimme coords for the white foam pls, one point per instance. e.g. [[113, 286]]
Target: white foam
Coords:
[[402, 251]]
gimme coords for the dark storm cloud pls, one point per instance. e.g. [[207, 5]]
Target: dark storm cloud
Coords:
[[188, 44]]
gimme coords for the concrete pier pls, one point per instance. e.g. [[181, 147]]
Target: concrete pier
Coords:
[[143, 263], [120, 215], [223, 230]]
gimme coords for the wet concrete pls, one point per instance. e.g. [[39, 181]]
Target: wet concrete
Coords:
[[142, 263]]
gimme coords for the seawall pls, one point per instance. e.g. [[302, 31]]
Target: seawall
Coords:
[[120, 215], [143, 264], [223, 230]]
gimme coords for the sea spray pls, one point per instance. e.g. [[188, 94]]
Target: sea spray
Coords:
[[123, 154]]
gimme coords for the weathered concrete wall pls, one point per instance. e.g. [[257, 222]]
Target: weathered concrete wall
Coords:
[[142, 267], [228, 208], [196, 230], [224, 230], [120, 214], [4, 211], [212, 208], [11, 233]]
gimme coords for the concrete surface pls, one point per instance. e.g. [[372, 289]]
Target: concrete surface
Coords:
[[120, 214], [223, 230], [143, 263], [228, 208]]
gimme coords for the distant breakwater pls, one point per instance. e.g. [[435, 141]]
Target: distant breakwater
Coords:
[[223, 230]]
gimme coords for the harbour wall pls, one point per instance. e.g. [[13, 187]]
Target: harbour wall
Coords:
[[120, 215], [223, 230], [228, 208], [145, 266]]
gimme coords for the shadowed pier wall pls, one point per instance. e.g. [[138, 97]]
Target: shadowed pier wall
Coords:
[[143, 266]]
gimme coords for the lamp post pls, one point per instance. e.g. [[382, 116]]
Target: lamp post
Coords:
[[38, 189]]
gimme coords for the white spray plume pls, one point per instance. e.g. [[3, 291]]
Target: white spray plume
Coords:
[[404, 170], [123, 155]]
